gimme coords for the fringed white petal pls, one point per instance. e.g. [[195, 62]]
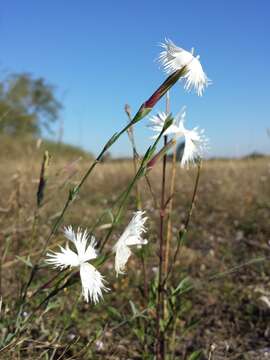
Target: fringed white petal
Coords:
[[195, 77], [180, 118], [196, 144], [131, 236], [173, 57], [63, 259], [91, 252], [157, 124], [134, 230], [159, 119], [122, 254], [70, 233], [92, 283], [80, 239], [175, 129]]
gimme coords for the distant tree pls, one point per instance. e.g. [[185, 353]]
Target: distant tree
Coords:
[[27, 105]]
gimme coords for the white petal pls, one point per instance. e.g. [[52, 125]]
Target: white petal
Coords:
[[134, 230], [91, 252], [70, 233], [173, 57], [159, 119], [80, 239], [196, 77], [180, 118], [80, 242], [158, 122], [189, 154], [122, 253], [195, 146], [92, 283], [63, 259], [131, 236]]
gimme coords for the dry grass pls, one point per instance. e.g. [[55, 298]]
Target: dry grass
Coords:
[[230, 226]]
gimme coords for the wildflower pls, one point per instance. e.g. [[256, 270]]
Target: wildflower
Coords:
[[92, 280], [195, 141], [131, 236], [174, 58], [157, 124]]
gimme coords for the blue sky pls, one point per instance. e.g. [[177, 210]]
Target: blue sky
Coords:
[[101, 54]]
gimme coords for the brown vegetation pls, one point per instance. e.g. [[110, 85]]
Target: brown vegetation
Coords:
[[230, 227]]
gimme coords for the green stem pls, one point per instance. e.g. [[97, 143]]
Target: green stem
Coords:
[[182, 232], [160, 350]]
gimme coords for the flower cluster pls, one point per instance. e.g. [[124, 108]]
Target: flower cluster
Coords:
[[179, 64], [173, 58], [93, 282]]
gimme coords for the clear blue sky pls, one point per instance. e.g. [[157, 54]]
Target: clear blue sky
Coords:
[[100, 55]]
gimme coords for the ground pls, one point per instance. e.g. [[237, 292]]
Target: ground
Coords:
[[225, 257]]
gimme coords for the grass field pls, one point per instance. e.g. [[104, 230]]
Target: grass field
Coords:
[[225, 314]]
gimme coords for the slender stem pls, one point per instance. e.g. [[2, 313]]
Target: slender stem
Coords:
[[169, 223], [119, 211], [145, 287], [138, 194], [183, 231], [160, 301], [46, 285], [160, 351], [151, 190], [136, 157]]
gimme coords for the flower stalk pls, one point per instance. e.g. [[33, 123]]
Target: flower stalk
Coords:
[[170, 209], [182, 232], [160, 350], [135, 157]]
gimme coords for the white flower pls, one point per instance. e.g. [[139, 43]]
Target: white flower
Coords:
[[92, 280], [195, 141], [173, 58], [131, 236], [157, 124]]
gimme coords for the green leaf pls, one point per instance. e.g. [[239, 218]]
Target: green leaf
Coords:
[[134, 310], [51, 305], [111, 141], [8, 338], [196, 355], [100, 260], [167, 123], [114, 312], [183, 286], [162, 324], [139, 333], [111, 215]]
